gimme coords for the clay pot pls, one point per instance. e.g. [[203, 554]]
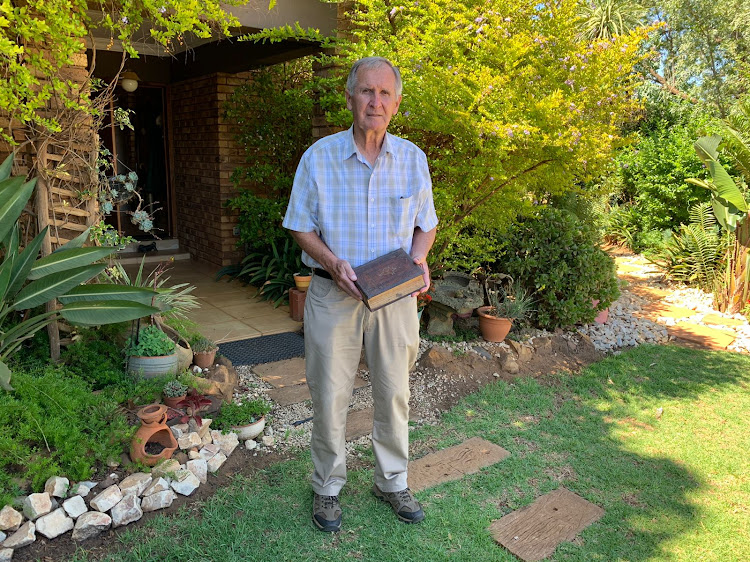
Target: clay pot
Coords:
[[204, 359], [153, 430], [250, 431], [601, 318], [173, 401], [493, 329], [302, 282]]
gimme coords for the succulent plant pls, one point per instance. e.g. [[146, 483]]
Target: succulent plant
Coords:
[[174, 389]]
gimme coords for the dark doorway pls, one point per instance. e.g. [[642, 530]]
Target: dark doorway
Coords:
[[143, 150]]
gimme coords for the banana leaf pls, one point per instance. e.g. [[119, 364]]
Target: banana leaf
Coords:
[[67, 260], [52, 286], [96, 313]]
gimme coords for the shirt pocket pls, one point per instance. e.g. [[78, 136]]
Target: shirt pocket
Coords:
[[401, 214]]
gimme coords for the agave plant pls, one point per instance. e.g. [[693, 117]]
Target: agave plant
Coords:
[[27, 281]]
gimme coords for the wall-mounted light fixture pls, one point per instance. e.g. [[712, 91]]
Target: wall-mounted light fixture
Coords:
[[129, 81]]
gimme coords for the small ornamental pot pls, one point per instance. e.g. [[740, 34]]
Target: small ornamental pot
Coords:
[[493, 329], [603, 315], [302, 282], [250, 431], [172, 401], [204, 359], [153, 441]]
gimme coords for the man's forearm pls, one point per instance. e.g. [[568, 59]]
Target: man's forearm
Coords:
[[422, 242], [340, 270]]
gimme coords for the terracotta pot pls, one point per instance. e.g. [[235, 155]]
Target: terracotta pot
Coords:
[[601, 318], [153, 430], [302, 282], [250, 431], [173, 401], [493, 329], [204, 359]]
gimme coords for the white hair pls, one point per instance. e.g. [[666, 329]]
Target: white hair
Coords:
[[369, 63]]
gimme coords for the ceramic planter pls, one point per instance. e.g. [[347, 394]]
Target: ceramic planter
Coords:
[[150, 367], [250, 431], [204, 359], [493, 329], [152, 433], [601, 318], [302, 282], [173, 401]]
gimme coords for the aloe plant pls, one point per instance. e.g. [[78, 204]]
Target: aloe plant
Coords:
[[27, 281]]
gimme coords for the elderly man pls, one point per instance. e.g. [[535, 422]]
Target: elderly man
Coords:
[[358, 195]]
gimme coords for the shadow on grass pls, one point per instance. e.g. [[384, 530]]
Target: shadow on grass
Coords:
[[591, 433]]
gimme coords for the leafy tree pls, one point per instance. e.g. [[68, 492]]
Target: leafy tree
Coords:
[[509, 105], [41, 37]]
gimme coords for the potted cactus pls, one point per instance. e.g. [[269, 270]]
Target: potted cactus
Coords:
[[204, 351]]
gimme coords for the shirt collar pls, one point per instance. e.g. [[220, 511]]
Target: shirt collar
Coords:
[[350, 147]]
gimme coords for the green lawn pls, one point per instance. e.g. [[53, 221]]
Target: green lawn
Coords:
[[674, 486]]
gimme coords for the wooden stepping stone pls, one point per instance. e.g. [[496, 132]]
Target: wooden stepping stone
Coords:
[[702, 335], [294, 394], [534, 532], [359, 423], [454, 463], [648, 292], [659, 309], [717, 320]]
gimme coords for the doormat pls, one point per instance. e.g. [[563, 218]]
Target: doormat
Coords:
[[533, 532], [264, 349]]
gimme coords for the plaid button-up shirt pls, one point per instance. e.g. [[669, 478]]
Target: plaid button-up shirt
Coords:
[[361, 212]]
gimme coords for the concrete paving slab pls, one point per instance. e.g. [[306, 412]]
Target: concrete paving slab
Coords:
[[717, 320], [290, 394], [283, 373], [661, 309], [534, 532], [359, 423], [454, 463]]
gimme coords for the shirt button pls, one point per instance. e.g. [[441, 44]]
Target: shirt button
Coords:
[[372, 251], [372, 225], [372, 200]]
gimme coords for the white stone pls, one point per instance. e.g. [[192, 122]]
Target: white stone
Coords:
[[54, 524], [25, 535], [199, 467], [158, 485], [203, 430], [57, 486], [159, 500], [107, 499], [215, 462], [207, 440], [209, 451], [135, 483], [91, 524], [75, 506], [6, 554], [187, 484], [3, 536], [81, 489], [268, 441], [165, 468], [36, 505], [189, 441], [176, 431], [251, 444], [193, 454], [10, 519], [226, 442], [127, 511]]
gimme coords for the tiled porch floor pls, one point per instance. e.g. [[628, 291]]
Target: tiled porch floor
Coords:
[[228, 311]]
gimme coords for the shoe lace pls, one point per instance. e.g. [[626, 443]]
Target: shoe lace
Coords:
[[404, 496], [329, 502]]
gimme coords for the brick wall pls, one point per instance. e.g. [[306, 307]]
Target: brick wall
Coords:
[[204, 156]]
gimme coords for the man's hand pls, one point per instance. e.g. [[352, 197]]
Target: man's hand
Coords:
[[421, 261], [344, 276]]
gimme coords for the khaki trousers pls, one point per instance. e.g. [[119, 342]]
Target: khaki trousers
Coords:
[[336, 326]]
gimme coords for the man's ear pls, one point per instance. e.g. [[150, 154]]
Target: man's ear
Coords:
[[348, 100]]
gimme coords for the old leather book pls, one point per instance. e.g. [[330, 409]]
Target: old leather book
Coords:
[[388, 278]]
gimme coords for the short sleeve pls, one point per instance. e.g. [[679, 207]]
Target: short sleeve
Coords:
[[302, 211], [426, 218]]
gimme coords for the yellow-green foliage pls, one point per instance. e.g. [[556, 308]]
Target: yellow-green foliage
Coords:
[[38, 38], [509, 105]]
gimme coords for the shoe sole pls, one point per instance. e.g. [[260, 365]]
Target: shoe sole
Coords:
[[332, 528], [378, 494]]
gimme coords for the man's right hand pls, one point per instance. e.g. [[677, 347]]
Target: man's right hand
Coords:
[[344, 276]]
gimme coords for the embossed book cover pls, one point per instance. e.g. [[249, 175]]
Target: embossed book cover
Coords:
[[388, 278]]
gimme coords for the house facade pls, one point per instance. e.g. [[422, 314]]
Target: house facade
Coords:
[[181, 146]]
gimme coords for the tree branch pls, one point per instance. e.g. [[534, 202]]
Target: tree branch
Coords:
[[670, 87]]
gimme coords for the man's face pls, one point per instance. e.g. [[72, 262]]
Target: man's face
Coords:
[[373, 101]]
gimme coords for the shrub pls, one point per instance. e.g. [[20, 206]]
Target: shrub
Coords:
[[53, 425], [149, 342], [556, 258], [232, 415], [259, 220], [96, 357]]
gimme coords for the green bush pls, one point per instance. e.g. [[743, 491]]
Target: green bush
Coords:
[[233, 415], [53, 425], [96, 357], [149, 342], [259, 220], [555, 256]]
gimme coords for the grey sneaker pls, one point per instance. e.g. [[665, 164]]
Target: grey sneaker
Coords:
[[404, 504], [327, 513]]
